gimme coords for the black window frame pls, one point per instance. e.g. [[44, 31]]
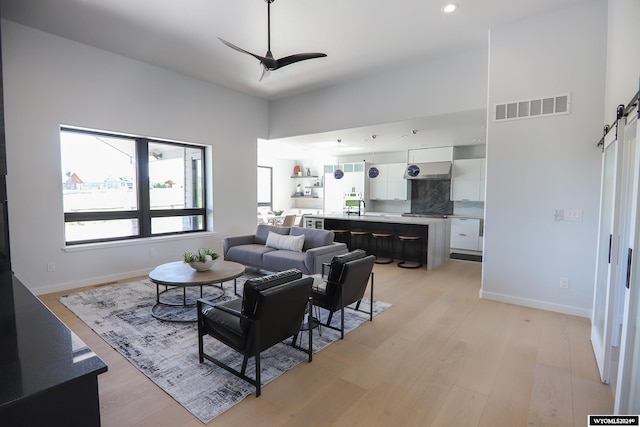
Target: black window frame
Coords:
[[144, 214], [268, 204]]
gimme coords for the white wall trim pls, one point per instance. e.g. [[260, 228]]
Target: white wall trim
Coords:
[[541, 305], [92, 281]]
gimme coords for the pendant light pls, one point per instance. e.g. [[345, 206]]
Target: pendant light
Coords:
[[373, 171], [338, 173], [412, 170]]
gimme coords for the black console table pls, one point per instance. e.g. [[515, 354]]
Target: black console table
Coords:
[[48, 376]]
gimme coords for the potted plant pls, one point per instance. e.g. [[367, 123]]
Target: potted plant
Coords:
[[202, 260]]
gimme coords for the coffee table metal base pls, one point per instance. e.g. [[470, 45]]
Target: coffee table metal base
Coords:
[[175, 306], [178, 306]]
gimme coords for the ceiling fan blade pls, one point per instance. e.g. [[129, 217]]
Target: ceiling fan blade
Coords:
[[234, 47], [265, 73], [292, 59]]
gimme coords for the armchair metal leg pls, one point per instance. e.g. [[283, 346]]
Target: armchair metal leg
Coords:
[[371, 299], [342, 315], [256, 344], [200, 334], [311, 329]]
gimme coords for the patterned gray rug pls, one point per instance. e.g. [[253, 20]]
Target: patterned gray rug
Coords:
[[167, 352]]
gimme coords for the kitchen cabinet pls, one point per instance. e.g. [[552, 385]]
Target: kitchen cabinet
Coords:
[[465, 234], [390, 183], [467, 180], [352, 181]]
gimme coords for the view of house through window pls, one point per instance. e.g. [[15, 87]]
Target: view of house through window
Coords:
[[121, 187]]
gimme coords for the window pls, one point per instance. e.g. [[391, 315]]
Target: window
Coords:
[[117, 187], [265, 188]]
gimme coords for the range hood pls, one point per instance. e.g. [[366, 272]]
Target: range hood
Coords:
[[430, 170]]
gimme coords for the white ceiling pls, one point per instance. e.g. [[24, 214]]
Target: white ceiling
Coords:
[[358, 36], [463, 128]]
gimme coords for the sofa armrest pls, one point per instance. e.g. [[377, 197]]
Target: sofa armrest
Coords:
[[229, 242], [315, 257]]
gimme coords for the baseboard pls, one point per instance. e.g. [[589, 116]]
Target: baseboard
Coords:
[[541, 305], [68, 286], [465, 257]]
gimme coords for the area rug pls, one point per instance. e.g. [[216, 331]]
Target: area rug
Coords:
[[167, 352]]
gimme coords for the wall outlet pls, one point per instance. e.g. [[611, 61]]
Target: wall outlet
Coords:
[[572, 215], [564, 283], [51, 266]]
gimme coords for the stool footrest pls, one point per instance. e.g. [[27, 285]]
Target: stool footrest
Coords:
[[416, 241]]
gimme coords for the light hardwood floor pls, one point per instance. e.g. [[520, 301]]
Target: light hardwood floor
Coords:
[[440, 356]]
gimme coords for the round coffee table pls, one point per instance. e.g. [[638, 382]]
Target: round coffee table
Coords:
[[180, 275]]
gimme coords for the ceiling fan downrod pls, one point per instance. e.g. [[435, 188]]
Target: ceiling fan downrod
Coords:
[[268, 62]]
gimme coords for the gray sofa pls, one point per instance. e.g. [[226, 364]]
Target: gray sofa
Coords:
[[251, 250]]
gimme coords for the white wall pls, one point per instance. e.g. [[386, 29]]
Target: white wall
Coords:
[[49, 81], [449, 85], [537, 165], [623, 55]]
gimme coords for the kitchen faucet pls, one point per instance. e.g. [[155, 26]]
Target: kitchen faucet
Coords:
[[364, 205]]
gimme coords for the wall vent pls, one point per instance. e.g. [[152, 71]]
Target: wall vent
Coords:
[[532, 108]]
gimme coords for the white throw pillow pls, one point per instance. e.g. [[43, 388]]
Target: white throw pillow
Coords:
[[282, 241]]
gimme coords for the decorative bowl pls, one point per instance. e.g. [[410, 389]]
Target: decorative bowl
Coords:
[[202, 266]]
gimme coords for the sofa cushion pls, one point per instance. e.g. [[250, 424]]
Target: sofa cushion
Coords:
[[247, 254], [313, 238], [263, 232], [253, 286], [281, 260], [287, 243]]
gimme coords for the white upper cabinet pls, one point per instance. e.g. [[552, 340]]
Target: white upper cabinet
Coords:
[[397, 186], [378, 186], [467, 180], [390, 183]]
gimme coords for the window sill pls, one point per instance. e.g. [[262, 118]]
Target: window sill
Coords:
[[134, 242]]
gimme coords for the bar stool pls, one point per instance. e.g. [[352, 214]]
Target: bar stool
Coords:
[[381, 238], [341, 236], [416, 241], [361, 240]]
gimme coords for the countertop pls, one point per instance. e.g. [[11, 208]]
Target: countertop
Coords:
[[382, 217], [38, 351]]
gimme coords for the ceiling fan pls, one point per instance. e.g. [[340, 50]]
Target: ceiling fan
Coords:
[[268, 62]]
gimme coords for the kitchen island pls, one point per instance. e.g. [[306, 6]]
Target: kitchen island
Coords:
[[435, 232], [48, 376]]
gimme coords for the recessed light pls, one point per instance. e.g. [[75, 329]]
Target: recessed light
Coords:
[[449, 8]]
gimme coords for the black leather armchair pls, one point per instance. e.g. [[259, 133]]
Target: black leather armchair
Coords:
[[271, 310], [345, 284]]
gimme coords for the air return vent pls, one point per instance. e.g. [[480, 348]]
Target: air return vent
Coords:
[[528, 109]]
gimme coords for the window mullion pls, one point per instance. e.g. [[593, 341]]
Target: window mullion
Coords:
[[144, 208]]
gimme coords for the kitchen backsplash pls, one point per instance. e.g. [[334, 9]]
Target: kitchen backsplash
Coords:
[[470, 209], [431, 196]]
